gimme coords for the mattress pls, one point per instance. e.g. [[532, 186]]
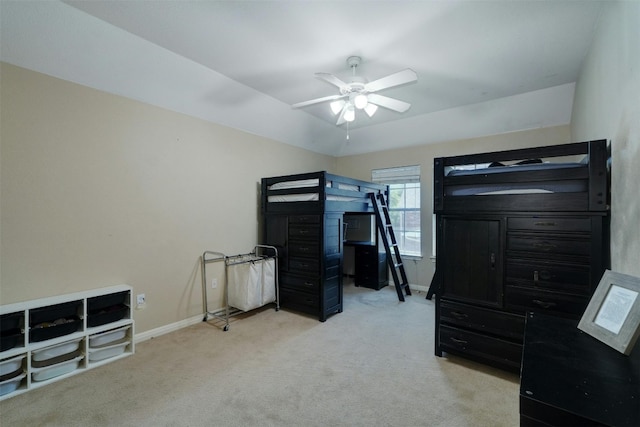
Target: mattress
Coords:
[[309, 197], [299, 183], [569, 186], [452, 171], [306, 183]]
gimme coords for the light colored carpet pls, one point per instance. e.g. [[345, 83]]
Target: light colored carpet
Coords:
[[372, 365]]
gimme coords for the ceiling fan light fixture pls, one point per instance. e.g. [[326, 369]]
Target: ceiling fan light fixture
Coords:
[[360, 101], [337, 106], [370, 109], [350, 113], [361, 94]]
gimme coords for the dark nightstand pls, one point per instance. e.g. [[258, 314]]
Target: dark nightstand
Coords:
[[569, 378]]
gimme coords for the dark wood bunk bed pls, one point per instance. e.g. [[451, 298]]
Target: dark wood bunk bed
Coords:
[[303, 219], [522, 234]]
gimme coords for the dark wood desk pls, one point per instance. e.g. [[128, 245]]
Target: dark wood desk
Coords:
[[569, 378]]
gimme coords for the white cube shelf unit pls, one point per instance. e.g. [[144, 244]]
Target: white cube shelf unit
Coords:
[[49, 339]]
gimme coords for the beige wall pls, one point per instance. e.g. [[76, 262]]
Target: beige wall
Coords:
[[420, 271], [99, 190], [607, 105]]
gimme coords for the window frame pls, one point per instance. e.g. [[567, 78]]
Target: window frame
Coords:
[[405, 176]]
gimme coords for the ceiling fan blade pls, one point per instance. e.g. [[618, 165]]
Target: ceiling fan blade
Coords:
[[341, 118], [317, 101], [395, 79], [330, 78], [390, 103]]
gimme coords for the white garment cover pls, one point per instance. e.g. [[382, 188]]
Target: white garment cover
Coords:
[[251, 284], [268, 281]]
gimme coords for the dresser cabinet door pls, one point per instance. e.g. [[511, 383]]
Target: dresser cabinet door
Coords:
[[473, 268], [276, 233]]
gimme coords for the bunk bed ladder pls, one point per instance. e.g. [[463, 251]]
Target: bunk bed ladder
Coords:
[[390, 244]]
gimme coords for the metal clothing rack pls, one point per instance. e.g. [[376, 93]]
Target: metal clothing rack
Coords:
[[259, 253]]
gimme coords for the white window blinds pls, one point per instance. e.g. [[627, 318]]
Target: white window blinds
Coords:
[[397, 175]]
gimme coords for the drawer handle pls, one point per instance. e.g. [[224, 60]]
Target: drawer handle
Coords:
[[308, 284], [458, 341], [303, 231], [459, 315], [544, 224], [541, 275], [544, 304]]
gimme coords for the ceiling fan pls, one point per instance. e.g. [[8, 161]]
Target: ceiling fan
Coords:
[[359, 94]]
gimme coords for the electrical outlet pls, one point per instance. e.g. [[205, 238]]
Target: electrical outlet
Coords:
[[141, 300], [214, 283]]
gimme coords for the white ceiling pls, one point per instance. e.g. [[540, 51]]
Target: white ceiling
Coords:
[[484, 67]]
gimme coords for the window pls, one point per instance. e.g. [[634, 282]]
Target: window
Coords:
[[404, 205]]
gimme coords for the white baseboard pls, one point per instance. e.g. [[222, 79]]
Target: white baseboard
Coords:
[[147, 335], [420, 288]]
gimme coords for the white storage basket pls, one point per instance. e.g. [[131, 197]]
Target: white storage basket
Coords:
[[48, 372], [11, 365], [11, 384], [107, 351], [56, 350], [108, 337]]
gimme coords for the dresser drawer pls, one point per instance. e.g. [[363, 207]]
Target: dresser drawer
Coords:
[[372, 282], [579, 246], [303, 231], [366, 265], [368, 256], [306, 302], [549, 275], [307, 266], [367, 251], [549, 224], [302, 248], [304, 219], [299, 283], [523, 299], [482, 319], [502, 352]]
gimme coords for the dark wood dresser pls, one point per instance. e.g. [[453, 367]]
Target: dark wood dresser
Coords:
[[500, 255], [370, 267], [569, 378], [310, 252]]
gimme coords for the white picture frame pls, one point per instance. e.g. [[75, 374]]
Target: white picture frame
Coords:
[[613, 313]]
